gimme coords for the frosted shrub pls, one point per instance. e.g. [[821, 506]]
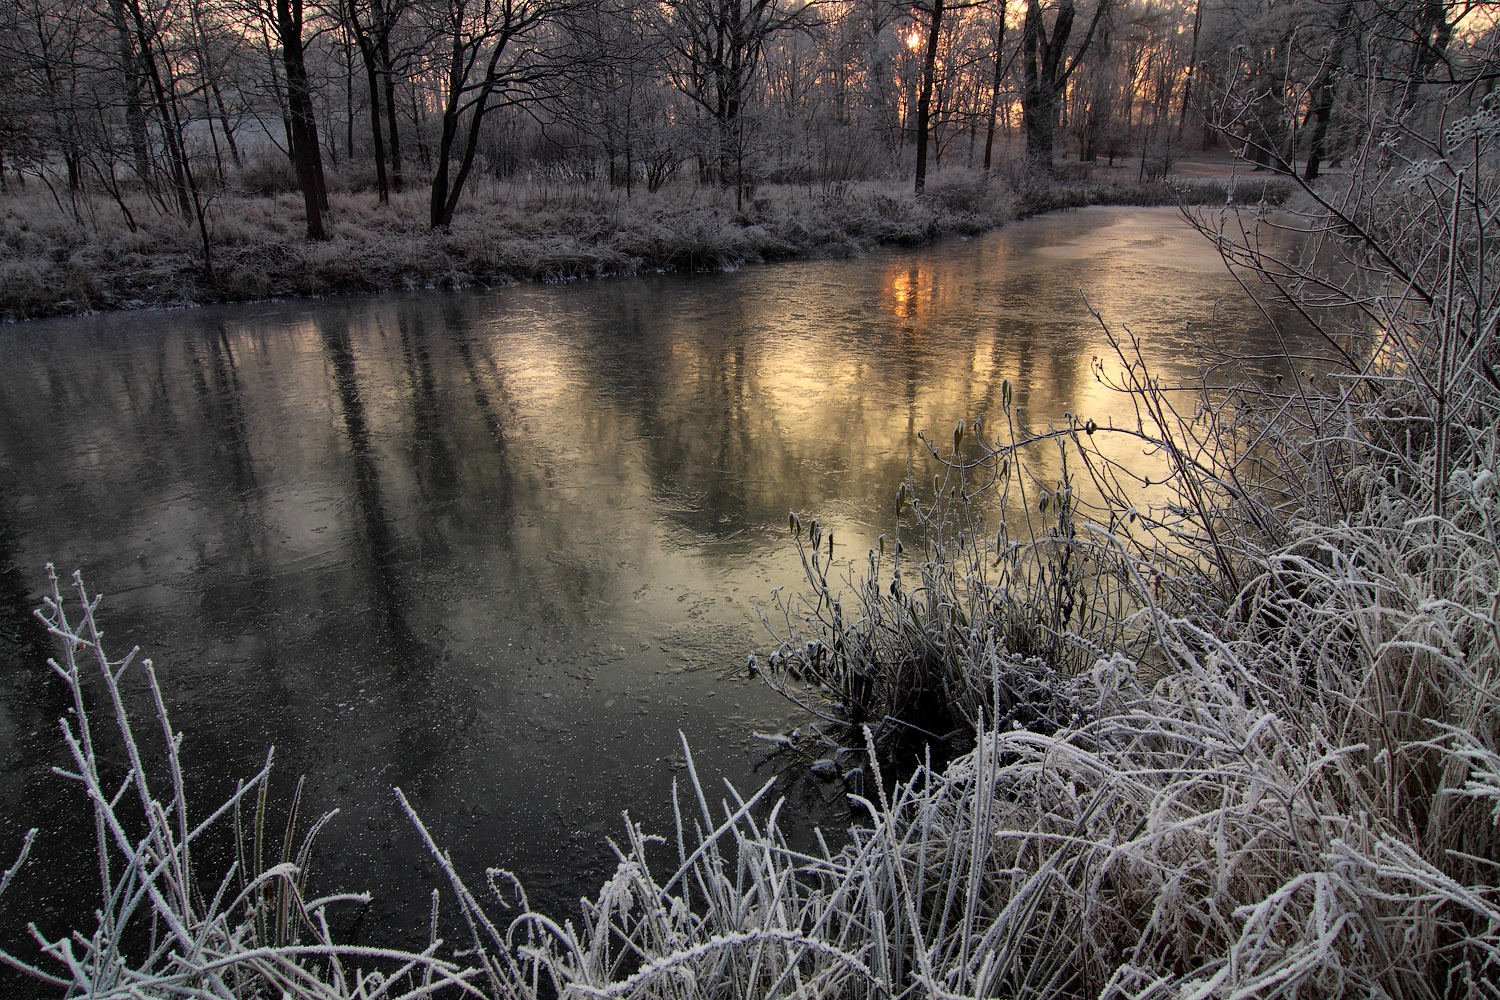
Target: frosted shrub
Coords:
[[963, 615], [1305, 802]]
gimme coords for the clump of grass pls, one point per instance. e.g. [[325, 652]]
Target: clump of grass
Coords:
[[955, 623], [165, 926]]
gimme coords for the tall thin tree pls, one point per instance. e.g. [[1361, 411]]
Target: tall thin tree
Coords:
[[306, 156]]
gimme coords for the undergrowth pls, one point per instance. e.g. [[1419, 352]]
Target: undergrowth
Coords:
[[55, 263]]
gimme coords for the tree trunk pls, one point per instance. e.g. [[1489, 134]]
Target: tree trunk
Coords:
[[996, 81], [211, 79], [372, 78], [444, 208], [1039, 96], [1047, 74], [234, 149], [1039, 119], [171, 132], [1099, 110], [213, 136], [278, 94], [388, 74], [924, 99], [1192, 67], [382, 182], [348, 100], [1429, 46], [1323, 90], [306, 156], [439, 214], [135, 115]]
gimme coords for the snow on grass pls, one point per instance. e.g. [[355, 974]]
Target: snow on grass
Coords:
[[55, 263]]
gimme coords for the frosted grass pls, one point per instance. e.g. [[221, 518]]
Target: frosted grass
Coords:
[[52, 263], [164, 927]]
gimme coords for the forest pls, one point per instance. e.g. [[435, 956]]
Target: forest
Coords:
[[135, 111]]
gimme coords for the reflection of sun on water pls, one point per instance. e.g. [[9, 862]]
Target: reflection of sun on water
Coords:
[[984, 358], [910, 292], [542, 365]]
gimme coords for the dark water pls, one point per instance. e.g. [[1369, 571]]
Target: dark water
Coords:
[[498, 548]]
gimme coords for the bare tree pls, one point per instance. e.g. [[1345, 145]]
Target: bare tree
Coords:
[[1048, 65], [1000, 67], [717, 48], [289, 23], [615, 94], [372, 23], [131, 89], [934, 11], [498, 53]]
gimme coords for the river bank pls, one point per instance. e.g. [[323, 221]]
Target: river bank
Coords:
[[53, 263]]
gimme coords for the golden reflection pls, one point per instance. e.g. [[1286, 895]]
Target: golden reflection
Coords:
[[909, 290], [984, 358], [580, 443]]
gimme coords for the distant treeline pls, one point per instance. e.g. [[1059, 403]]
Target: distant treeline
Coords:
[[182, 99]]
